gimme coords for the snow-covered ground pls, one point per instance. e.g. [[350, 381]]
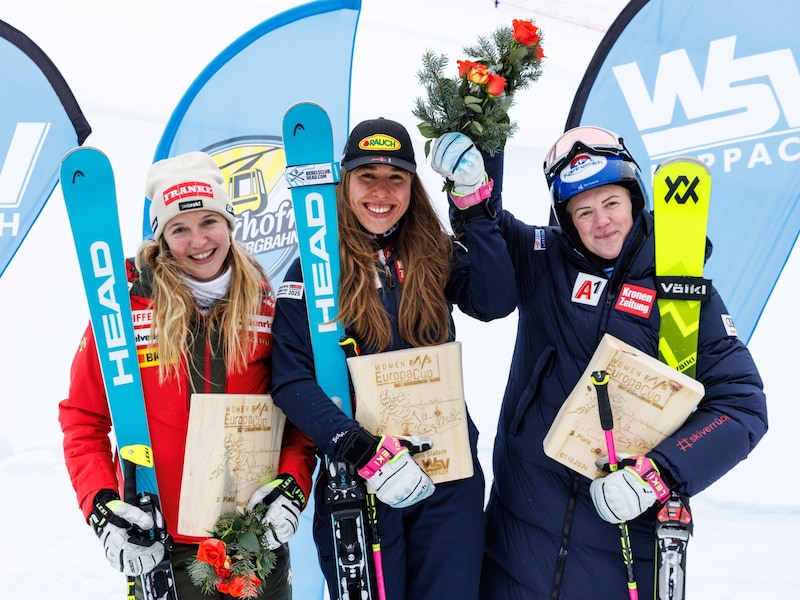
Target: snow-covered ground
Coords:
[[128, 64]]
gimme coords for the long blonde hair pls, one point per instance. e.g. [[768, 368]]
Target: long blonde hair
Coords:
[[426, 251], [173, 307]]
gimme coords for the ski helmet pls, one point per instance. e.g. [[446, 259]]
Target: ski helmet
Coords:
[[587, 157]]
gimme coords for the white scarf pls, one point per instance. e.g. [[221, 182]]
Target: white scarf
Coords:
[[207, 293]]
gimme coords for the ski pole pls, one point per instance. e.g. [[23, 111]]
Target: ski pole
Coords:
[[600, 381], [351, 349]]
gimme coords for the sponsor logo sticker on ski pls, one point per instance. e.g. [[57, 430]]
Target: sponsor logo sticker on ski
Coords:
[[317, 174]]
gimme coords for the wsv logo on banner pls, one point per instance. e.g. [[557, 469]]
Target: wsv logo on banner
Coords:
[[684, 78]]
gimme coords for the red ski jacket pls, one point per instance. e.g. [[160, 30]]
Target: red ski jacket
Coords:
[[86, 422]]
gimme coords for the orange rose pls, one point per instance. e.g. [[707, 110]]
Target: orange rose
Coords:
[[496, 85], [478, 74], [212, 551], [525, 32]]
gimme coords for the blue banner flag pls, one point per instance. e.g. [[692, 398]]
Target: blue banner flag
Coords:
[[40, 121], [234, 111], [719, 82]]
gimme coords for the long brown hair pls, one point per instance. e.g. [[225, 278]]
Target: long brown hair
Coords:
[[173, 307], [426, 251]]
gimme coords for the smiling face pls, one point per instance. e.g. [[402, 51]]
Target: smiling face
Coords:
[[379, 195], [603, 218], [199, 240]]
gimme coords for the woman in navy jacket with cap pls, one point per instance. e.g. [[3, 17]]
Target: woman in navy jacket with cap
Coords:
[[400, 275]]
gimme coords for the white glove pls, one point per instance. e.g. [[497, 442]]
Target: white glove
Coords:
[[625, 494], [394, 477], [121, 528], [455, 157], [386, 464], [285, 501]]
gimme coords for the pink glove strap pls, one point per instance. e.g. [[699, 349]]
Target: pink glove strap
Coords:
[[388, 449], [479, 195], [647, 470]]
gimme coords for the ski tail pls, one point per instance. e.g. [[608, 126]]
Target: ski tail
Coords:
[[674, 527], [87, 182]]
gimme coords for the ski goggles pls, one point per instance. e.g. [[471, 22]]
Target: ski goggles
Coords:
[[589, 139]]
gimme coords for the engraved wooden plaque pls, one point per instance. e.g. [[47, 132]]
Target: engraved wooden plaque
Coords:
[[417, 391], [232, 447], [649, 401]]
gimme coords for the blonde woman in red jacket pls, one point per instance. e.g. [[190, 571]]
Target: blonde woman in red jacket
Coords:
[[192, 290]]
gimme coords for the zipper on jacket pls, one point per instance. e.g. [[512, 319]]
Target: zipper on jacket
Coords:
[[561, 563]]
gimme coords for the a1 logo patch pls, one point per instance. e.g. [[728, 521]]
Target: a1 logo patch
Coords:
[[588, 289]]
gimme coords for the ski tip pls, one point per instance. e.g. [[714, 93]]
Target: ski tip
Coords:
[[80, 162], [81, 151], [682, 160], [304, 107], [301, 114]]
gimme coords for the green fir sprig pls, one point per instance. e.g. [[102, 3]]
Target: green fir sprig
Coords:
[[477, 101], [234, 561]]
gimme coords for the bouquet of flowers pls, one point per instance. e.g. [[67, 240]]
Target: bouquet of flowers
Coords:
[[476, 102], [234, 561]]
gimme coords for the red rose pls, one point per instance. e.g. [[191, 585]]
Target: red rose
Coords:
[[212, 551], [225, 570], [244, 587], [464, 67], [223, 586], [525, 32], [496, 85]]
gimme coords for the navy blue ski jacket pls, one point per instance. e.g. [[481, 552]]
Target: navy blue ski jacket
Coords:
[[431, 550], [482, 286], [544, 534]]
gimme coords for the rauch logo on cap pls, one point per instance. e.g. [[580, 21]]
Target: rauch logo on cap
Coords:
[[379, 142], [187, 189]]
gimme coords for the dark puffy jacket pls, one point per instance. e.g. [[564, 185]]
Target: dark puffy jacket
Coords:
[[481, 285], [540, 510]]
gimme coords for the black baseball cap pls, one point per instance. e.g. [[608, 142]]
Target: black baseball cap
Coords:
[[379, 141]]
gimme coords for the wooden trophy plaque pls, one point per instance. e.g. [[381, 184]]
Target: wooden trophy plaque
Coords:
[[417, 391], [232, 448]]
